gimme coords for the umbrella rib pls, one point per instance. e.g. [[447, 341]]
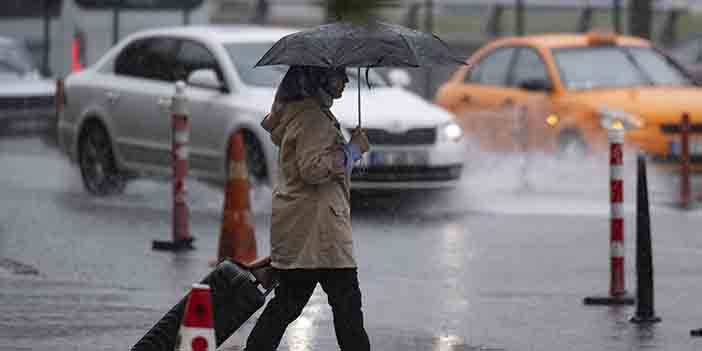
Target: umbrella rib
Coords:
[[409, 47]]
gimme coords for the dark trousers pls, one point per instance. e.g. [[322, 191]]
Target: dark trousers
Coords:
[[293, 293]]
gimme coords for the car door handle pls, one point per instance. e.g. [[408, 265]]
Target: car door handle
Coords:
[[466, 99], [164, 102], [508, 102], [112, 96]]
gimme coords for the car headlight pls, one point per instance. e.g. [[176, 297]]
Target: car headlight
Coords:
[[618, 119], [450, 131]]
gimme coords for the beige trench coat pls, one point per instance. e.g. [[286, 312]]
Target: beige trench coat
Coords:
[[311, 217]]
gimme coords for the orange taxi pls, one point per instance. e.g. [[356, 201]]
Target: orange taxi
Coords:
[[560, 92]]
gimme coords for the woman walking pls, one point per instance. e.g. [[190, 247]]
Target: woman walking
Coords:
[[311, 239]]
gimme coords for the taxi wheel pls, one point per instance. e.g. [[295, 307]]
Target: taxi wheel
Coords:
[[97, 163], [255, 159], [571, 144]]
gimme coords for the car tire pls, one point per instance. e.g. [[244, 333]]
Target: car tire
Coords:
[[571, 144], [255, 159], [96, 160]]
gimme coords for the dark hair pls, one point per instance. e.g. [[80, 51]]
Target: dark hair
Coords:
[[304, 81]]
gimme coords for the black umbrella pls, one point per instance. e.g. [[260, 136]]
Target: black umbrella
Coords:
[[374, 44]]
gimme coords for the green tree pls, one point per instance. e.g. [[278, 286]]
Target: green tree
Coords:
[[354, 10]]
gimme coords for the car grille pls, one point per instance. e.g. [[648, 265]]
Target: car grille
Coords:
[[407, 173], [26, 102], [417, 136]]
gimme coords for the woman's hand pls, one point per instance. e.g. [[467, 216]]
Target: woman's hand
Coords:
[[359, 138]]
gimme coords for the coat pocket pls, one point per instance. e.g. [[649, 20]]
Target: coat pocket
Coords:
[[340, 223]]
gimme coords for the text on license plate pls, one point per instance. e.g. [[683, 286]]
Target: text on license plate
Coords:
[[395, 158]]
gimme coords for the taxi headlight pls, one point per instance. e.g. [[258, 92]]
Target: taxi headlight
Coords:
[[618, 119], [450, 131]]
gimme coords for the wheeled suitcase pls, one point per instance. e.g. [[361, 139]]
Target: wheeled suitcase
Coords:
[[237, 293]]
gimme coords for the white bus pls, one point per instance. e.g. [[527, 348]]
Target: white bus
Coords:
[[65, 35]]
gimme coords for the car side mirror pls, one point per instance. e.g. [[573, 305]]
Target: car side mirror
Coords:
[[205, 78], [536, 84], [399, 77]]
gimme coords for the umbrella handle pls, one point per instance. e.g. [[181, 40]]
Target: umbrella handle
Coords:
[[359, 96]]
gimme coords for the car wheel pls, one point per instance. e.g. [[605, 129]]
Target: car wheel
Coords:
[[97, 162], [571, 144], [255, 159]]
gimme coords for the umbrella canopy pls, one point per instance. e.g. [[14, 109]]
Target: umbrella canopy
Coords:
[[373, 44]]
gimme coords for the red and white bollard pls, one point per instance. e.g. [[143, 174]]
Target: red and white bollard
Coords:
[[179, 153], [617, 291], [616, 217]]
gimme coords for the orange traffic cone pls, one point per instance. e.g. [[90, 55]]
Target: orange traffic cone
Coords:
[[197, 328], [237, 240]]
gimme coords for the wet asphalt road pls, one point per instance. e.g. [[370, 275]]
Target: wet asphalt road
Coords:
[[495, 264]]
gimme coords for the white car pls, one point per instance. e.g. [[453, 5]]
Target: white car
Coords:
[[26, 99], [116, 121]]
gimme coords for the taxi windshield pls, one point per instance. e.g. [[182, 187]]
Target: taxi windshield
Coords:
[[245, 55], [616, 66]]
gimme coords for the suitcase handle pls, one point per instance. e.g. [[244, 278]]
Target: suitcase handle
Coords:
[[262, 272]]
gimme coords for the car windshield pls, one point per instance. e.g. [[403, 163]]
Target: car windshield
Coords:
[[615, 66], [15, 62], [245, 55]]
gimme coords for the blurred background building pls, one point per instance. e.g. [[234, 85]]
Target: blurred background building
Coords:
[[467, 24], [51, 28]]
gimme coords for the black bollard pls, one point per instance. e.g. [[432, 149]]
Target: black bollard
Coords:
[[644, 257], [235, 297]]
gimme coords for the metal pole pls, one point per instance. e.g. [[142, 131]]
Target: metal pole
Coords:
[[359, 97], [617, 16], [519, 14], [429, 27], [685, 160], [47, 39], [523, 133], [640, 18], [186, 15], [261, 13], [116, 21], [115, 24]]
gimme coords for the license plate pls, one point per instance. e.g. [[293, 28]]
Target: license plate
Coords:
[[395, 158], [695, 147]]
